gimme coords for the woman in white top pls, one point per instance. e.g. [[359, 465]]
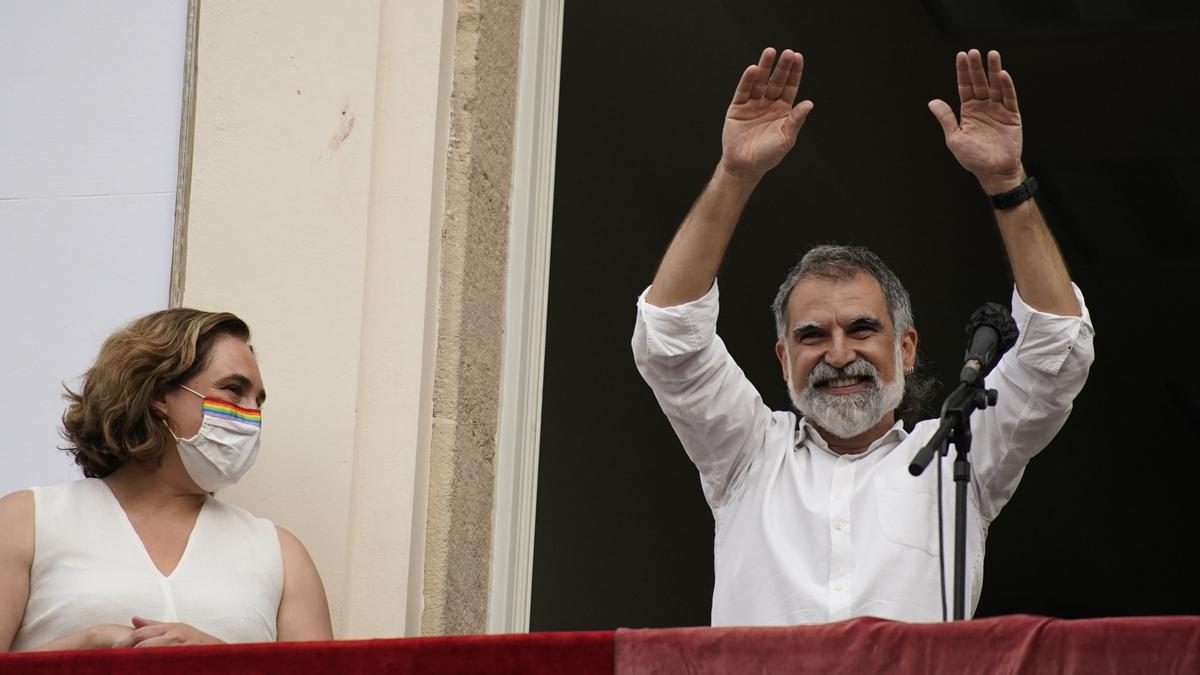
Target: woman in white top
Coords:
[[139, 553]]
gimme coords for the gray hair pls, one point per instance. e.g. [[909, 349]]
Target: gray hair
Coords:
[[841, 263]]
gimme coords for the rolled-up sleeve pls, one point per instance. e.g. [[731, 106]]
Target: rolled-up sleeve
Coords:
[[1036, 382], [715, 411], [679, 330]]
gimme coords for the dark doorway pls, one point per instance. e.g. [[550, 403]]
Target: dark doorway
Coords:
[[1103, 521]]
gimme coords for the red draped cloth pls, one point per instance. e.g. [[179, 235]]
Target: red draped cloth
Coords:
[[1010, 644], [536, 654]]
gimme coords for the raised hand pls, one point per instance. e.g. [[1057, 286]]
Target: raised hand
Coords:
[[148, 633], [986, 139], [761, 123]]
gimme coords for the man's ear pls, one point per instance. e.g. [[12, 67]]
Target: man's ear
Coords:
[[908, 349], [781, 354]]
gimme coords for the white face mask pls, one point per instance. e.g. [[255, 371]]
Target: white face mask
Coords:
[[224, 448]]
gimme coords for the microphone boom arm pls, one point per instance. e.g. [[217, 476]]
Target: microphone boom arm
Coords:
[[956, 412]]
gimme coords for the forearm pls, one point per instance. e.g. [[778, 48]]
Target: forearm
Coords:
[[987, 141], [1037, 264], [690, 265], [88, 638]]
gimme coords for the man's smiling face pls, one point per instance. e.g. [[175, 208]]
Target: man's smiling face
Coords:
[[842, 359]]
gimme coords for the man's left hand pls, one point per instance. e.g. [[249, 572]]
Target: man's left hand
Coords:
[[987, 139]]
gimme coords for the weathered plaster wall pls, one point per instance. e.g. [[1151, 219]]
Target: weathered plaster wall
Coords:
[[471, 317]]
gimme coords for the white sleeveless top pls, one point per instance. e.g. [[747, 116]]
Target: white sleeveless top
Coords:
[[90, 567]]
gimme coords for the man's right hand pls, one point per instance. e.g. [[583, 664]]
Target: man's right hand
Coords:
[[761, 123]]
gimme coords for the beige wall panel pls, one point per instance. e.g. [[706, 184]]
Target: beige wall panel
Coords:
[[399, 322], [325, 156], [278, 232]]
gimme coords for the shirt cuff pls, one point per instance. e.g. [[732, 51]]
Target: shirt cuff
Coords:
[[682, 329], [1045, 339]]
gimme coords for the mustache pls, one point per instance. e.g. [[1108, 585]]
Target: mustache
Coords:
[[859, 367]]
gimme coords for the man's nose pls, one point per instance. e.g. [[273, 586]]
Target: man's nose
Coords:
[[840, 353]]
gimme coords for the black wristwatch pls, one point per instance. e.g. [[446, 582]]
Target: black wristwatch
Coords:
[[1007, 200]]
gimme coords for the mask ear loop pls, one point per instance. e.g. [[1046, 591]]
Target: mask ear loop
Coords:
[[171, 431], [167, 423]]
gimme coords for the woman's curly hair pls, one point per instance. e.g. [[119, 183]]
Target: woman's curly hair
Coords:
[[111, 420]]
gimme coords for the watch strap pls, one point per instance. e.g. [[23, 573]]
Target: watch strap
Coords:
[[1009, 199]]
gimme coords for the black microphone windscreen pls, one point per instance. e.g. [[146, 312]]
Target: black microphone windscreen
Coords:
[[997, 316]]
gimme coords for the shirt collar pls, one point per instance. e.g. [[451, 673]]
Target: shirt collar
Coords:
[[806, 431]]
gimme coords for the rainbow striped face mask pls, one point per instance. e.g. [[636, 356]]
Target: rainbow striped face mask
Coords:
[[225, 447]]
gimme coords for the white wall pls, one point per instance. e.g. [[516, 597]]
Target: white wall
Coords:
[[89, 132]]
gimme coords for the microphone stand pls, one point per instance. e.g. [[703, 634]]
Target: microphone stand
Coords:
[[956, 427]]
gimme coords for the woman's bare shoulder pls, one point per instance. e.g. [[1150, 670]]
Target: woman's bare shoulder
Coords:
[[19, 503], [16, 521]]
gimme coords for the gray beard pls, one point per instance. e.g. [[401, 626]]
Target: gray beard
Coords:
[[848, 415]]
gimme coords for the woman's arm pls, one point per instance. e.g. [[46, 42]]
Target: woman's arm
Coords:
[[303, 611], [16, 559], [101, 636]]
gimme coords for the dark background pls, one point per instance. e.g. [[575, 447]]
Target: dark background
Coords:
[[1104, 520]]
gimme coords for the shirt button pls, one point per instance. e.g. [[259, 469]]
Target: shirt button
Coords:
[[837, 587]]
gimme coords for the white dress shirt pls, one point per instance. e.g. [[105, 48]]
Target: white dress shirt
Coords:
[[804, 535]]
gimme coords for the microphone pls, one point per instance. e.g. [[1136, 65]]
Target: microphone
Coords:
[[990, 332]]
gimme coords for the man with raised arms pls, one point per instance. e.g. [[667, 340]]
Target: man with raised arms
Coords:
[[817, 518]]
